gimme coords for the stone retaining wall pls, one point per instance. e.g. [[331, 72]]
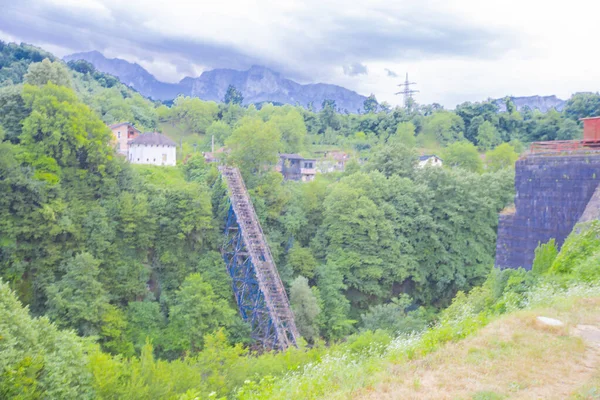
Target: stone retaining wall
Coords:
[[552, 193]]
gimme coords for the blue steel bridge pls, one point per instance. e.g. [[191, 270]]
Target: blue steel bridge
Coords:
[[258, 290]]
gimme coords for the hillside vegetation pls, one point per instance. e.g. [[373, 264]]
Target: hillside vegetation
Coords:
[[113, 285], [489, 344]]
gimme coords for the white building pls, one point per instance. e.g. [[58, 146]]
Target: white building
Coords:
[[430, 159], [152, 148]]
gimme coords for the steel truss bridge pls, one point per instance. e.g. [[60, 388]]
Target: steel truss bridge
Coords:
[[258, 290]]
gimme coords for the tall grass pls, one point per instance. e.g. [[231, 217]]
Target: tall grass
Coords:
[[346, 370]]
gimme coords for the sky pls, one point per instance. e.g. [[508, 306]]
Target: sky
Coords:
[[456, 51]]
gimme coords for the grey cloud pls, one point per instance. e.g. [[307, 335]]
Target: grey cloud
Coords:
[[384, 35], [35, 23], [377, 35], [391, 73], [355, 69]]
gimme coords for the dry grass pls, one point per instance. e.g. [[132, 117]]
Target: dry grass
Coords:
[[516, 357], [508, 210]]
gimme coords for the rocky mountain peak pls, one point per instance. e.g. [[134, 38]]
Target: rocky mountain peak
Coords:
[[257, 84]]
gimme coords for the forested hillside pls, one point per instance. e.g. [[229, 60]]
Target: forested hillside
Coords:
[[127, 257]]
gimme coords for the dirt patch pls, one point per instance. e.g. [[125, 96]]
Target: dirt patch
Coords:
[[516, 357], [589, 333]]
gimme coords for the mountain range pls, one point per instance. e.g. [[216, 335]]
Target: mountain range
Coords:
[[257, 84], [542, 103]]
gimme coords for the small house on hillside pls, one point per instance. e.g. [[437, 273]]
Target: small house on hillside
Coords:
[[294, 167], [123, 134], [152, 148], [430, 159]]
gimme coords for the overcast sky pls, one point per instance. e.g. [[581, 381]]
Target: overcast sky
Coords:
[[465, 50]]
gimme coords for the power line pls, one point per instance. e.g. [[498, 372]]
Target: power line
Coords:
[[406, 91]]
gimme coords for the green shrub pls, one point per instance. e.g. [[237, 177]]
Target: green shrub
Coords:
[[588, 270], [486, 395], [368, 342], [582, 245], [545, 254]]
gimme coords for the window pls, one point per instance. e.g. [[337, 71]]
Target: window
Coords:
[[164, 158], [118, 135]]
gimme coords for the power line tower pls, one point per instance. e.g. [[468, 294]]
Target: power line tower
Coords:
[[407, 92]]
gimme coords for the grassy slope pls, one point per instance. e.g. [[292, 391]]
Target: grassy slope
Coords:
[[467, 356], [163, 176], [183, 138], [514, 357]]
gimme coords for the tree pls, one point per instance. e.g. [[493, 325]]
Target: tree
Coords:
[[568, 130], [547, 126], [196, 115], [254, 146], [306, 309], [333, 318], [394, 318], [16, 58], [405, 134], [113, 332], [370, 104], [502, 156], [385, 107], [545, 254], [473, 115], [292, 129], [444, 127], [51, 142], [302, 261], [78, 300], [195, 312], [81, 66], [455, 239], [462, 155], [473, 128], [358, 231], [233, 96], [39, 361], [394, 159], [146, 322], [582, 105], [12, 111], [48, 71], [328, 116], [220, 130], [117, 105], [487, 136]]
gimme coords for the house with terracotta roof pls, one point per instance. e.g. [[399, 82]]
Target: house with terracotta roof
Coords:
[[123, 134], [152, 148]]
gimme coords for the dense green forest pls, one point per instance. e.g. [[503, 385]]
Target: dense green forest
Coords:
[[127, 257]]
